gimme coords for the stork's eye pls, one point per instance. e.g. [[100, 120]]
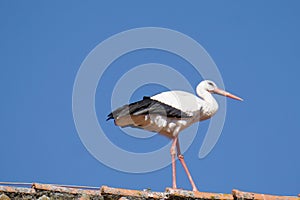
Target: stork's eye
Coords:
[[210, 83]]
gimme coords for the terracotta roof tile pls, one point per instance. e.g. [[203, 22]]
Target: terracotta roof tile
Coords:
[[250, 195], [118, 193], [64, 189], [16, 189], [197, 195]]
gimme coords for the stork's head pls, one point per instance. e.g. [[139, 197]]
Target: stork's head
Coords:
[[211, 87]]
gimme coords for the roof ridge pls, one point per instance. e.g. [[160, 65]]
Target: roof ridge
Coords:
[[38, 190]]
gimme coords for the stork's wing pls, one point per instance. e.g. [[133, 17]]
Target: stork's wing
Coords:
[[148, 106], [184, 101]]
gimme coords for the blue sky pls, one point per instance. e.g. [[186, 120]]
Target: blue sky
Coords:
[[254, 44]]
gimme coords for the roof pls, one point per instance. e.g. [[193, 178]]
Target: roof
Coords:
[[50, 191]]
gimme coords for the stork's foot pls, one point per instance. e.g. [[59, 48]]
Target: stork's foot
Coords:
[[174, 186]]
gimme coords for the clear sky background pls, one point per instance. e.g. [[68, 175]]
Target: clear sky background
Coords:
[[255, 45]]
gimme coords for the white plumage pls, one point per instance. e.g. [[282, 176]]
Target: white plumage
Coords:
[[181, 100], [170, 112]]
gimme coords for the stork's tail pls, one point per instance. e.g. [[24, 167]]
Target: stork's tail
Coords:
[[122, 111], [110, 116]]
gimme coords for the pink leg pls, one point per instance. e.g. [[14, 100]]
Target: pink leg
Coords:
[[173, 154], [181, 159]]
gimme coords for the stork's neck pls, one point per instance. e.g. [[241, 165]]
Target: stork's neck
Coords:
[[210, 101]]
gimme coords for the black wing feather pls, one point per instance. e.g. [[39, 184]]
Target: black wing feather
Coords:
[[147, 106]]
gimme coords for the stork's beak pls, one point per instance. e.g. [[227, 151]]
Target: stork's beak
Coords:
[[226, 94]]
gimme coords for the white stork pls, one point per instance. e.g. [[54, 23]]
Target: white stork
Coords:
[[170, 112]]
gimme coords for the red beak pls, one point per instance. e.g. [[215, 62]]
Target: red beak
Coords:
[[226, 94]]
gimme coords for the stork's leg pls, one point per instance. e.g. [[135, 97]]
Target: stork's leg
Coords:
[[173, 154], [181, 159]]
